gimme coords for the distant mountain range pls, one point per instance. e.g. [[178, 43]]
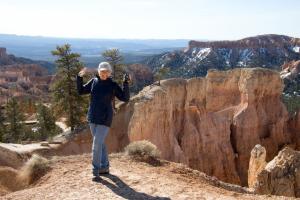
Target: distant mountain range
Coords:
[[185, 58], [268, 51], [134, 50], [10, 59]]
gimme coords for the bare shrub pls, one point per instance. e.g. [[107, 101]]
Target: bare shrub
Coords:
[[144, 150], [34, 168]]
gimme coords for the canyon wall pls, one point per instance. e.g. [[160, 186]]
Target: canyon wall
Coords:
[[210, 124]]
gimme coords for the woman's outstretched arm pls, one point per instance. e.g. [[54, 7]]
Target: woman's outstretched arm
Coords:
[[83, 89]]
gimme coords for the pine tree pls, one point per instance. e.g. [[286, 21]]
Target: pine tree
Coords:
[[15, 118], [46, 123], [66, 100], [115, 59], [161, 73]]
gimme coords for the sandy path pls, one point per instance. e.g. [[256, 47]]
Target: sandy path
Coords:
[[71, 178]]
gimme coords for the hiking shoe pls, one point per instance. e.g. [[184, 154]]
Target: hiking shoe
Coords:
[[104, 171], [96, 178]]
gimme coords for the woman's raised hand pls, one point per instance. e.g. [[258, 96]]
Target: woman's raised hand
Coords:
[[82, 72]]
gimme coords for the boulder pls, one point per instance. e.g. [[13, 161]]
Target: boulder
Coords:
[[257, 163], [281, 176]]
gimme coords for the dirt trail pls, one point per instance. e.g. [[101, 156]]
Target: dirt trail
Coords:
[[71, 178]]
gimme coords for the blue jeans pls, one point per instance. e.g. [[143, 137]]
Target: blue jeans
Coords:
[[99, 152]]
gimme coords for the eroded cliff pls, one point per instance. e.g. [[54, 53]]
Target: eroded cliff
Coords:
[[210, 124]]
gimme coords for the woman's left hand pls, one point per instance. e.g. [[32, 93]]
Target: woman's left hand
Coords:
[[126, 77]]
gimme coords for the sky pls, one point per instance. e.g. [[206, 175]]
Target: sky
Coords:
[[150, 19]]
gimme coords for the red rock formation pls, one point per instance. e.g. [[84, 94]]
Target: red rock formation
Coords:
[[209, 123], [281, 176], [141, 76], [257, 164], [24, 80]]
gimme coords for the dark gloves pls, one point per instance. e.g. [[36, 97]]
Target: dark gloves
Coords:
[[126, 78]]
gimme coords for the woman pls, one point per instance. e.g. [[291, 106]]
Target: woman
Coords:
[[100, 113]]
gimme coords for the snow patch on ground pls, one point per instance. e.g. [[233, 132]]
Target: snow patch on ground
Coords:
[[199, 54], [241, 64], [203, 53]]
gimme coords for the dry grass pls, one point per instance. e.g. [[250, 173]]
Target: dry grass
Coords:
[[145, 151], [13, 179], [35, 167]]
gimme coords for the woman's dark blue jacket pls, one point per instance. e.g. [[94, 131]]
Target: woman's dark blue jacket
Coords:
[[102, 92]]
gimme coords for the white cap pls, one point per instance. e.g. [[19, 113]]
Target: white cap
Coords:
[[104, 66]]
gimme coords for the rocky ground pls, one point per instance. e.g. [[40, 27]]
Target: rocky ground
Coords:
[[71, 178]]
